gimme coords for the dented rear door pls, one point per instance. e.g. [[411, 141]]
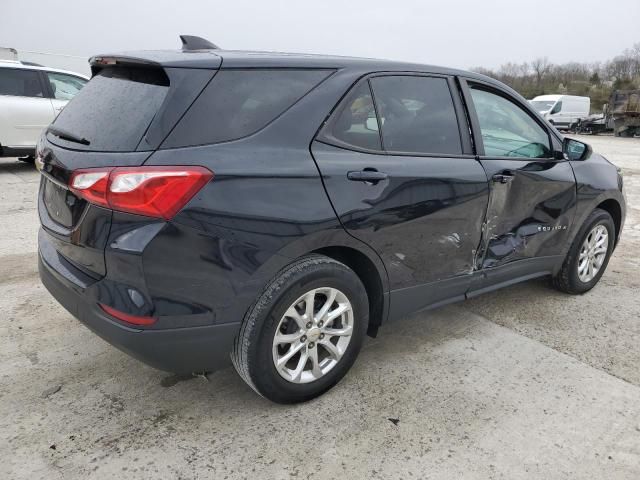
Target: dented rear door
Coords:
[[411, 190]]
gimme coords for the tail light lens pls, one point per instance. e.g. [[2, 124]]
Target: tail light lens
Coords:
[[152, 191]]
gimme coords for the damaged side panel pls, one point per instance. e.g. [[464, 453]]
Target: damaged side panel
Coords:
[[424, 219], [530, 212]]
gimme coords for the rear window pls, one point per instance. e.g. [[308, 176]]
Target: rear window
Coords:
[[115, 108], [238, 103]]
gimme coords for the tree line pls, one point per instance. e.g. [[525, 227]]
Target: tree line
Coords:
[[595, 80]]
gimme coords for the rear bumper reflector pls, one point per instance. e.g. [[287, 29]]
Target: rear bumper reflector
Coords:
[[125, 317]]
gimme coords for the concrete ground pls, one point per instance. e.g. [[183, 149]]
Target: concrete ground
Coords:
[[521, 383]]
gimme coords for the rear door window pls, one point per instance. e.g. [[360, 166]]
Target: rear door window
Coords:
[[355, 124], [20, 83], [238, 103], [115, 108], [417, 115]]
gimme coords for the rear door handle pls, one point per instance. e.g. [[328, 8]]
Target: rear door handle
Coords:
[[371, 176], [504, 177]]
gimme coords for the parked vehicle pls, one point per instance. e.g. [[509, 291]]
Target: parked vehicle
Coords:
[[30, 98], [624, 111], [593, 124], [621, 115], [562, 110], [272, 209]]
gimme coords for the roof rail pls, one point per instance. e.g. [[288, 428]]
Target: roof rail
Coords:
[[191, 42]]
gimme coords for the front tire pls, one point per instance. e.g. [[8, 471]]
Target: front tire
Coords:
[[304, 332], [589, 254]]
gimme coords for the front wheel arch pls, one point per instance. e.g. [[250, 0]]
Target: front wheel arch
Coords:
[[566, 279], [612, 207]]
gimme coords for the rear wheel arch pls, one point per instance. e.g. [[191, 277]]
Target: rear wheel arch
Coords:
[[253, 353], [369, 275]]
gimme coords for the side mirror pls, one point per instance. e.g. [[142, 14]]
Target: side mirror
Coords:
[[575, 150]]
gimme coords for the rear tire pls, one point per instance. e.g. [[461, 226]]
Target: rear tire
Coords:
[[267, 363], [586, 261]]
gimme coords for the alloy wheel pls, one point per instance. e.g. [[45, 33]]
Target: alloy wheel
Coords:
[[593, 253], [313, 335]]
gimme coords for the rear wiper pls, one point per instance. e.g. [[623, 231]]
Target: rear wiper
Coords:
[[65, 135]]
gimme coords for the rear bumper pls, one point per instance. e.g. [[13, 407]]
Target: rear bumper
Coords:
[[178, 350]]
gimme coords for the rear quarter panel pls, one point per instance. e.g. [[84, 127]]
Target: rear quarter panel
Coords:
[[265, 207]]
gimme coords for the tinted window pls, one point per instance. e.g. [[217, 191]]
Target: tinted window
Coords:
[[356, 123], [115, 108], [507, 130], [65, 87], [21, 83], [238, 103], [557, 108], [417, 115]]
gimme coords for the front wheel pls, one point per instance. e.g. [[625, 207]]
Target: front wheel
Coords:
[[589, 254], [304, 331]]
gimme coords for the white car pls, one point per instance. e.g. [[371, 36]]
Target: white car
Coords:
[[562, 110], [30, 98]]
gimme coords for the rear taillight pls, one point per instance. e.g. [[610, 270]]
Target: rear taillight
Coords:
[[152, 191]]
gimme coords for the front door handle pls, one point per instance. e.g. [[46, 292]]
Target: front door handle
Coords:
[[504, 177], [367, 175]]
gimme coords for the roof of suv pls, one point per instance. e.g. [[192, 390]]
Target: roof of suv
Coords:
[[25, 66], [256, 59]]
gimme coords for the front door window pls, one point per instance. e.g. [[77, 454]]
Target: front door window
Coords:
[[507, 130]]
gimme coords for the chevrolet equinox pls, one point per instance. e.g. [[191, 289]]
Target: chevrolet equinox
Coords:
[[203, 206]]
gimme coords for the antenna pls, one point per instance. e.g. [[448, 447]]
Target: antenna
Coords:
[[191, 42]]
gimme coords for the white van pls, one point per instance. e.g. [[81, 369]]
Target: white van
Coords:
[[562, 110], [30, 98]]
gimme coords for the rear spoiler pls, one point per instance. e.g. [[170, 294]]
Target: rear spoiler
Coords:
[[196, 52], [101, 61]]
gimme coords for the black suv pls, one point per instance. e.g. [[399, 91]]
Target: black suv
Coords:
[[201, 206]]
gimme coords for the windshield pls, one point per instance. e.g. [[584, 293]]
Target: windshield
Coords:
[[542, 105]]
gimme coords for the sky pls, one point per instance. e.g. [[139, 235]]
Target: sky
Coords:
[[462, 33]]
